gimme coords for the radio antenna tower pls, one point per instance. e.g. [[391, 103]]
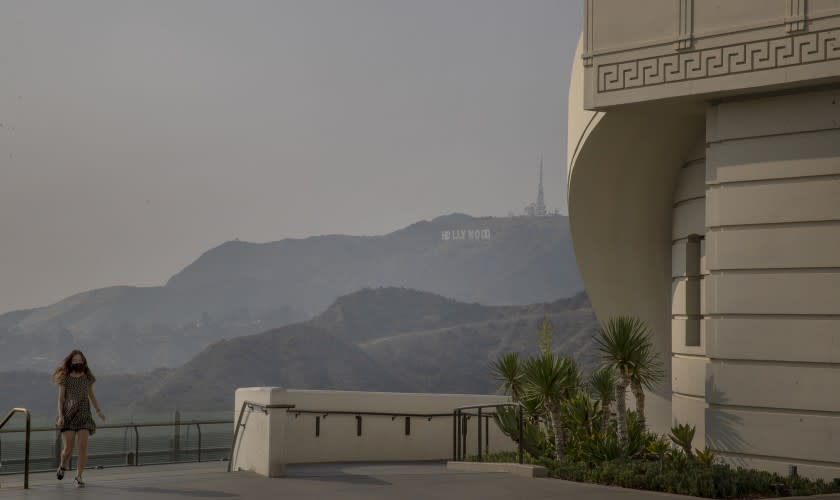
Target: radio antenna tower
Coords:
[[540, 208]]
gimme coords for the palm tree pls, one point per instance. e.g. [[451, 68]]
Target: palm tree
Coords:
[[509, 372], [683, 435], [626, 347], [533, 438], [602, 381], [550, 380], [580, 415], [649, 371]]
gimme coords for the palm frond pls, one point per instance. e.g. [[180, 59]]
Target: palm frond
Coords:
[[509, 372], [602, 383], [625, 345], [550, 378]]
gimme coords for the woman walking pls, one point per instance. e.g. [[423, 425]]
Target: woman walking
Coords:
[[75, 394]]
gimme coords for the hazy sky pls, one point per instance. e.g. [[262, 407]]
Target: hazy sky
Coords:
[[137, 135]]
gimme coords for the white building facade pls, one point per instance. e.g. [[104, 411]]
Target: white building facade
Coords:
[[704, 198]]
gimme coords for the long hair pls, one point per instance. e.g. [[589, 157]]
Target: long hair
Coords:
[[61, 371]]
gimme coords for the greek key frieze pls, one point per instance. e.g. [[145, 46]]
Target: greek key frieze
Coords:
[[792, 50]]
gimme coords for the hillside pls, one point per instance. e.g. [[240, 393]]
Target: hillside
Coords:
[[459, 358], [452, 351], [376, 313], [241, 288], [299, 356], [522, 261]]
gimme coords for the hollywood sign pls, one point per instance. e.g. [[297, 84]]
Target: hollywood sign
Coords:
[[465, 234]]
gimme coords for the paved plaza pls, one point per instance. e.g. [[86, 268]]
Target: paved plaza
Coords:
[[340, 481], [344, 481]]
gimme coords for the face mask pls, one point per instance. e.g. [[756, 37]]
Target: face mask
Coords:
[[76, 367]]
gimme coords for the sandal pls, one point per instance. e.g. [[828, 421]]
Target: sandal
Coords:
[[59, 473], [78, 483]]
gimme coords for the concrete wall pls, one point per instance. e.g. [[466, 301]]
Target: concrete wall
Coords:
[[260, 446], [293, 438], [773, 292], [688, 272]]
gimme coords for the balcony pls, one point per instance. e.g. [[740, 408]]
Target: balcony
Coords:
[[317, 444]]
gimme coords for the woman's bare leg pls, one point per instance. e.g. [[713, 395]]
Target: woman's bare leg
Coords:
[[83, 451], [67, 438]]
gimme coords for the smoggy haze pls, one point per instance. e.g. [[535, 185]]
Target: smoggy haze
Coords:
[[136, 135]]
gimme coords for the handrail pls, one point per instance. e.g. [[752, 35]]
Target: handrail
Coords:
[[26, 456], [487, 405], [130, 425], [459, 437], [369, 413], [134, 452], [251, 406]]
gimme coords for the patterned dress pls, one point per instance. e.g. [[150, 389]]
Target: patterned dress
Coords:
[[76, 408]]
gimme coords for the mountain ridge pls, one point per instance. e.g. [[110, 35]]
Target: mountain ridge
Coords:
[[240, 288]]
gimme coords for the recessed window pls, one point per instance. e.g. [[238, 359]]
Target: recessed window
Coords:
[[692, 293]]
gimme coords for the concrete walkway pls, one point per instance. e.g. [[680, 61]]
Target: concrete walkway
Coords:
[[348, 482]]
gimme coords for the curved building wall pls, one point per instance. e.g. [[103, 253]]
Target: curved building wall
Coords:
[[622, 173], [704, 197], [688, 270], [773, 292]]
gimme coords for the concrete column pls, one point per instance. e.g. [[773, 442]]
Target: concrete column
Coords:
[[260, 446], [688, 270], [688, 346]]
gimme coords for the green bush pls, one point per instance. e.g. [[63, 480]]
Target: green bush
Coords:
[[533, 439], [672, 471], [708, 481], [571, 429]]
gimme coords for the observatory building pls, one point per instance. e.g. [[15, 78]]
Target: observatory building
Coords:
[[704, 198]]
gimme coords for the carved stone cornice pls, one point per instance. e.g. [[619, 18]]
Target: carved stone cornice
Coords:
[[759, 55]]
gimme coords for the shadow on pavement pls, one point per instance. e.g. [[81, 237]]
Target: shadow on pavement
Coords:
[[344, 478], [183, 492]]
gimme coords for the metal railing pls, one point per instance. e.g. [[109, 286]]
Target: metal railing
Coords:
[[462, 415], [26, 456], [184, 441], [177, 451], [292, 410], [322, 414], [459, 417]]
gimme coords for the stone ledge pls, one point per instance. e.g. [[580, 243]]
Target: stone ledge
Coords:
[[511, 468]]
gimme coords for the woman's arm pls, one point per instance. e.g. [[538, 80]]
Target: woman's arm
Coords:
[[60, 406], [92, 397]]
